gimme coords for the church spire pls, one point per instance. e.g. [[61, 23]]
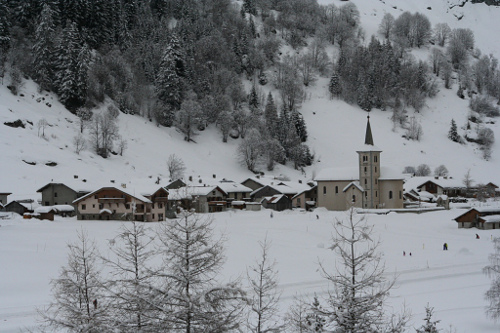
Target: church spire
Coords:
[[368, 135]]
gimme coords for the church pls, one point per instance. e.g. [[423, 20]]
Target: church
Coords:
[[370, 187]]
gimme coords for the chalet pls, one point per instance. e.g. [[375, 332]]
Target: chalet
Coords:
[[3, 197], [266, 186], [306, 199], [62, 194], [111, 203], [234, 191], [437, 186], [44, 213], [203, 199], [480, 217], [369, 186], [262, 192], [277, 202]]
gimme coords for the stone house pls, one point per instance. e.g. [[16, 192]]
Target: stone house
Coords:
[[61, 194]]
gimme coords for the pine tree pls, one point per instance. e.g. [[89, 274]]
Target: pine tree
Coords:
[[271, 116], [43, 48], [334, 85], [4, 27], [300, 125], [429, 326], [253, 99], [453, 134]]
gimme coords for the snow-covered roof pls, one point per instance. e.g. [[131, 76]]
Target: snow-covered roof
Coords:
[[77, 185], [105, 210], [368, 148], [44, 209], [486, 210], [388, 173], [416, 182], [273, 199], [232, 187], [130, 192], [355, 184], [64, 208], [189, 192], [330, 174], [490, 218]]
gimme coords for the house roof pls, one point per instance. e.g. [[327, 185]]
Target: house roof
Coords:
[[129, 192], [296, 195], [5, 193], [416, 182], [74, 184], [189, 192], [490, 211], [232, 187], [490, 218], [44, 209], [355, 184], [388, 173], [273, 199]]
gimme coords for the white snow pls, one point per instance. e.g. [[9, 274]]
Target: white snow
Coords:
[[33, 251]]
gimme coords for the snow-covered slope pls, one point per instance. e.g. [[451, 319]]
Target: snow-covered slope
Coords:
[[335, 128]]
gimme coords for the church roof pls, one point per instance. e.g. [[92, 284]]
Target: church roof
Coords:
[[369, 145]]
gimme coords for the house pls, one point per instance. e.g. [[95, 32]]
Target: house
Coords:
[[21, 206], [480, 217], [234, 191], [62, 194], [277, 202], [3, 197], [44, 213], [111, 203], [436, 185], [262, 192], [369, 186], [306, 199], [203, 199], [175, 185], [267, 186]]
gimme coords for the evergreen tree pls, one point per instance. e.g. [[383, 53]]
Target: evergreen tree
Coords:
[[72, 61], [453, 134], [315, 321], [250, 7], [271, 116], [300, 125], [430, 326], [253, 99], [4, 27], [43, 48], [334, 86]]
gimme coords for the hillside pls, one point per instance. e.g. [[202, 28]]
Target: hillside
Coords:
[[335, 128]]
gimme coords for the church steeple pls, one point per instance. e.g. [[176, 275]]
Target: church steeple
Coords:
[[368, 135]]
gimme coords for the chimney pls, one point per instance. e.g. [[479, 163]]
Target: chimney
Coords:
[[124, 185]]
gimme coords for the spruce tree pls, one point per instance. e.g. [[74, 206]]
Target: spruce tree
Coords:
[[43, 48], [453, 134], [430, 326], [300, 125], [334, 85], [271, 116]]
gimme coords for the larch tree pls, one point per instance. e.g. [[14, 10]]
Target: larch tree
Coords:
[[264, 294], [132, 279], [360, 288], [80, 301], [192, 259]]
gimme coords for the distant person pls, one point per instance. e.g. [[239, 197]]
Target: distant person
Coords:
[[477, 236], [404, 253], [445, 247]]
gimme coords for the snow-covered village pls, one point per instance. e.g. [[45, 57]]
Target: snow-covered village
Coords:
[[249, 166]]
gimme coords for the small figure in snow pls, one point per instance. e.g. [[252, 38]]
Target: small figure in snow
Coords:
[[477, 236], [271, 214], [410, 254], [95, 303], [445, 247], [317, 217], [404, 253]]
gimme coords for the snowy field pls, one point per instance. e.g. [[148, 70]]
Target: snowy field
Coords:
[[452, 281]]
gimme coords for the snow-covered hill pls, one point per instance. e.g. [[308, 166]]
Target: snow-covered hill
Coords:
[[335, 128]]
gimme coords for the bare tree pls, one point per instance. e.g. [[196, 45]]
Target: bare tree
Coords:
[[176, 167], [386, 25], [486, 137], [103, 132], [122, 145], [467, 180], [263, 279], [414, 130], [84, 116], [79, 142], [441, 171], [250, 149], [79, 303], [188, 118], [41, 125], [493, 272], [423, 170], [360, 288], [442, 33]]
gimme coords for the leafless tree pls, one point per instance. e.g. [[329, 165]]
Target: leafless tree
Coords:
[[386, 25], [41, 125], [442, 33], [84, 116], [250, 149], [188, 118], [423, 170], [467, 180], [493, 272], [79, 142], [360, 288], [441, 171], [80, 302], [176, 167], [264, 294], [414, 130]]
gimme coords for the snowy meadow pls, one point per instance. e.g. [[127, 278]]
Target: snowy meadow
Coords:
[[451, 281]]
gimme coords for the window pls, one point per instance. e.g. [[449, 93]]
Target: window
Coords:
[[298, 201], [153, 216], [365, 169], [366, 194], [100, 206], [336, 189], [375, 169], [365, 158], [55, 194], [375, 159], [390, 194], [93, 205], [84, 207], [353, 198], [376, 181], [376, 194], [324, 189], [152, 206], [366, 181], [127, 206], [400, 195], [160, 217], [160, 205], [47, 203]]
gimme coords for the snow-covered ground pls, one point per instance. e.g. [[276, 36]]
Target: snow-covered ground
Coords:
[[450, 281]]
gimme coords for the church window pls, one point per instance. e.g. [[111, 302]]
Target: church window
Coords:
[[336, 189], [390, 194], [375, 169], [353, 198], [324, 189], [376, 194], [365, 169], [366, 181]]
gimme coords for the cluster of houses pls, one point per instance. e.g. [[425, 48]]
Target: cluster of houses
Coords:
[[368, 186]]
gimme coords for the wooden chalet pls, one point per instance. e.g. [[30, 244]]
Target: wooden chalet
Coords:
[[480, 217]]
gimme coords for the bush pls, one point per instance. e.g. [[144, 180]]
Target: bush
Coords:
[[483, 105]]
